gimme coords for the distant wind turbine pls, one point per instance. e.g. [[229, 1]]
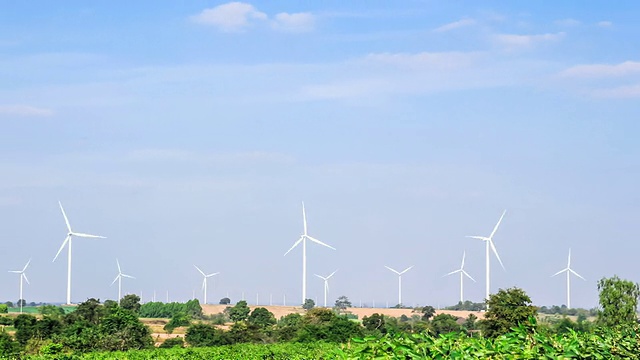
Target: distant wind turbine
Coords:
[[326, 285], [489, 244], [119, 280], [569, 271], [399, 281], [303, 239], [204, 282], [463, 273], [66, 241], [22, 276]]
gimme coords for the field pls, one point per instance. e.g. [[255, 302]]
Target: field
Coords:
[[35, 309]]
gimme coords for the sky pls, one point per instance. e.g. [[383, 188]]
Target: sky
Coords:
[[189, 133]]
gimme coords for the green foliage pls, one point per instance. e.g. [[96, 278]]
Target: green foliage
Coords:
[[342, 303], [180, 319], [261, 318], [507, 309], [169, 310], [225, 301], [173, 342], [131, 302], [466, 306], [8, 347], [199, 335], [374, 323], [52, 311], [4, 309], [470, 322], [426, 311], [308, 304], [238, 312], [9, 304], [444, 324], [619, 302]]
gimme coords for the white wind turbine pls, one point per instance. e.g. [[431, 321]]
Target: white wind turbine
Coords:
[[22, 276], [463, 273], [326, 285], [569, 271], [303, 239], [489, 244], [66, 241], [119, 280], [204, 281], [399, 281]]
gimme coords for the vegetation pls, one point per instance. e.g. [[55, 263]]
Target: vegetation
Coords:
[[308, 304], [169, 310], [508, 309], [619, 302]]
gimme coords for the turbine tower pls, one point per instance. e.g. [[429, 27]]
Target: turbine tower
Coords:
[[119, 280], [303, 239], [399, 281], [22, 276], [462, 275], [326, 285], [204, 282], [489, 244], [569, 271], [66, 241]]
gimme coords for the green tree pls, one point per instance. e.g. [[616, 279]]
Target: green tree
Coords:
[[179, 319], [470, 322], [121, 330], [262, 318], [444, 324], [21, 303], [507, 309], [25, 328], [426, 311], [199, 335], [308, 304], [4, 309], [225, 301], [342, 303], [618, 302], [374, 322], [173, 342], [9, 304], [9, 349], [239, 312], [193, 308], [52, 311], [131, 302]]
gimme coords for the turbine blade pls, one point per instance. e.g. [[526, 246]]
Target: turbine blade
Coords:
[[405, 270], [62, 246], [559, 272], [392, 270], [26, 266], [576, 274], [332, 274], [294, 245], [569, 260], [498, 224], [464, 253], [493, 247], [451, 273], [127, 276], [201, 272], [304, 219], [15, 271], [320, 276], [478, 237], [66, 220], [114, 280], [326, 285], [319, 242], [118, 263], [212, 274], [204, 282], [469, 276], [25, 278], [89, 236]]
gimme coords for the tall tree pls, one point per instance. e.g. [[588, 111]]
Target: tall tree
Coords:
[[507, 309], [618, 301]]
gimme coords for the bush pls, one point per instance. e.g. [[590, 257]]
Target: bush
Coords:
[[172, 342], [4, 309]]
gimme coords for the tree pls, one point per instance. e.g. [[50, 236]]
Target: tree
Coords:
[[225, 301], [199, 335], [374, 322], [131, 302], [4, 309], [444, 324], [239, 312], [21, 303], [507, 309], [470, 322], [619, 302], [308, 304], [342, 303], [9, 304], [193, 308], [179, 319], [172, 342], [9, 349], [426, 311], [262, 318]]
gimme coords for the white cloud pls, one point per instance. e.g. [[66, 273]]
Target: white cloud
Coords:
[[229, 17], [428, 60], [455, 25], [621, 92], [603, 70], [24, 110], [567, 22], [514, 41], [296, 22], [604, 23]]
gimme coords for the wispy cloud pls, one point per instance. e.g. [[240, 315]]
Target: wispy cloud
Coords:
[[24, 110], [515, 41], [621, 92], [295, 22], [604, 24], [603, 70], [455, 25], [230, 17], [239, 16], [567, 22]]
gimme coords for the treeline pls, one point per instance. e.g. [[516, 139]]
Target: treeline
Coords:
[[168, 310]]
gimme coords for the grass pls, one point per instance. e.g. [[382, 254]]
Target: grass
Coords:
[[36, 309]]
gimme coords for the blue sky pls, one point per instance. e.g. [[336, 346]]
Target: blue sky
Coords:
[[190, 133]]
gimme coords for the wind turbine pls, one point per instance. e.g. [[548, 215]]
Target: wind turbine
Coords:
[[489, 244], [66, 241], [569, 271], [399, 281], [22, 276], [303, 239], [326, 285], [462, 275], [119, 280], [204, 282]]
